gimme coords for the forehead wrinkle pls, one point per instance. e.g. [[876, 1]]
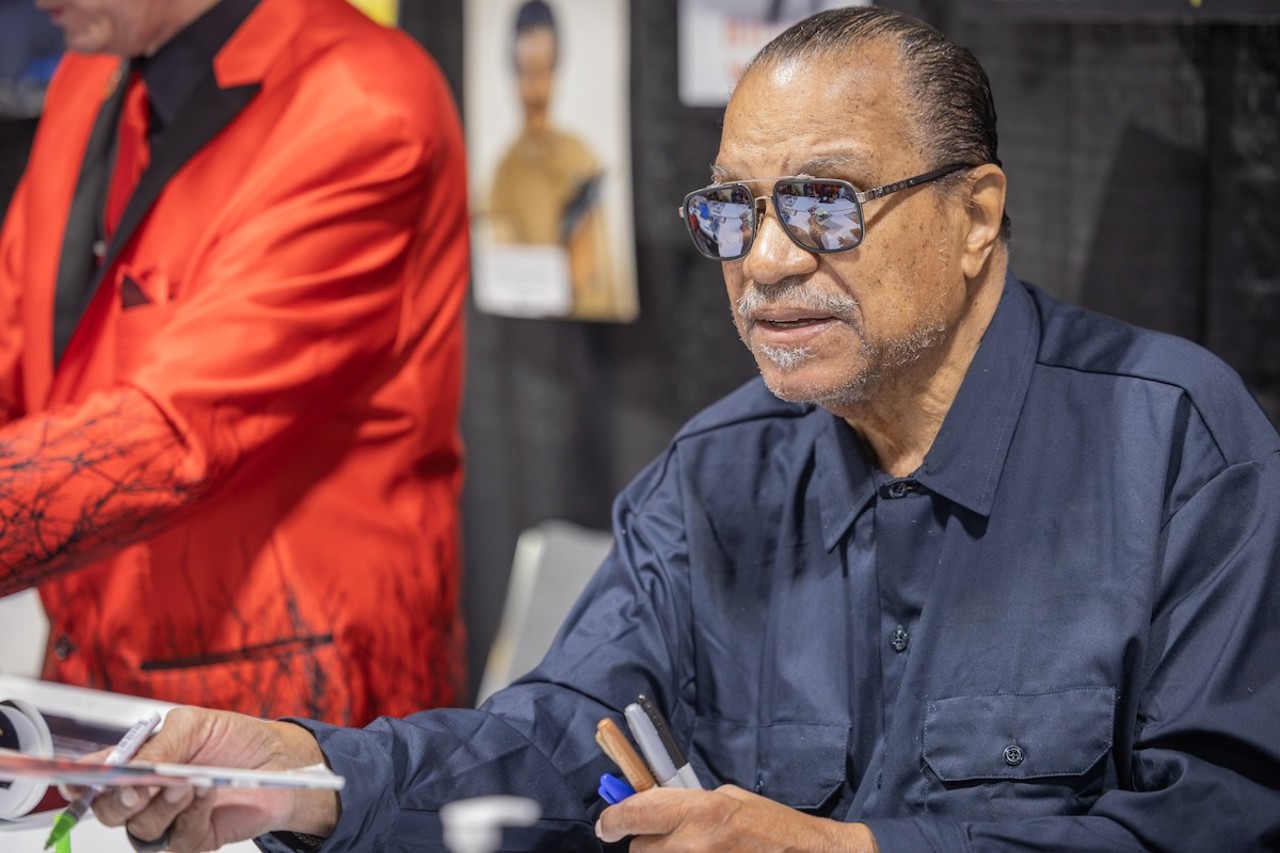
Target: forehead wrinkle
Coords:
[[821, 166]]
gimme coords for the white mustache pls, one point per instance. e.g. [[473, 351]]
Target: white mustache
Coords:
[[792, 293]]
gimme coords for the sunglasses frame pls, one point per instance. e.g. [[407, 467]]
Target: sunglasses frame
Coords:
[[858, 196]]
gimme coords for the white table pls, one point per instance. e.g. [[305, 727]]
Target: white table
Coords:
[[93, 706]]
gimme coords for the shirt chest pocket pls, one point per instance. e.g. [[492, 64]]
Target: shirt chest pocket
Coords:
[[801, 765], [1016, 755]]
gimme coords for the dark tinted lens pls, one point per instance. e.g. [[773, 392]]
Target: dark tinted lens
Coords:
[[822, 215], [721, 220]]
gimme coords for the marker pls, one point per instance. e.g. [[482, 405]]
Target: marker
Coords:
[[642, 729], [126, 749], [684, 775], [619, 749], [613, 789]]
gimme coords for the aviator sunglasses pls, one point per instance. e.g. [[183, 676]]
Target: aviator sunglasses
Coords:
[[818, 214]]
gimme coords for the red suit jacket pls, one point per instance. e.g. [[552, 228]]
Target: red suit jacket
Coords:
[[239, 485]]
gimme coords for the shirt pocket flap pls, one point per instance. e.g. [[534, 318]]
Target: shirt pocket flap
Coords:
[[798, 764], [1019, 735]]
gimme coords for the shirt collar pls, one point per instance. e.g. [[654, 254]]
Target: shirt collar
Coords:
[[178, 67], [967, 458]]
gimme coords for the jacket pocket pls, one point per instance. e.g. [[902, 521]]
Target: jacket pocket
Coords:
[[801, 765], [273, 650], [1019, 735], [143, 308], [303, 675]]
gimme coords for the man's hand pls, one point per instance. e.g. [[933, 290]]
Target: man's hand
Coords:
[[202, 819], [667, 820]]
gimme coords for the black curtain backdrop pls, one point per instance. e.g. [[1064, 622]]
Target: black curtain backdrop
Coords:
[[1144, 168]]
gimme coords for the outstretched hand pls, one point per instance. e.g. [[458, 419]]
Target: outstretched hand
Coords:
[[667, 820], [204, 819]]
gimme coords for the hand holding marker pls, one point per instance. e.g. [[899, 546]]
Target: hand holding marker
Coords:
[[660, 749], [125, 750]]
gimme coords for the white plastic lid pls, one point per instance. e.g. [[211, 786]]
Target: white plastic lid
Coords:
[[475, 825], [32, 733]]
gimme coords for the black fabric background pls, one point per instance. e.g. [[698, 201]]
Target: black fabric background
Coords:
[[1144, 167]]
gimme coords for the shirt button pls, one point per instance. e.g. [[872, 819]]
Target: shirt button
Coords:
[[899, 488], [99, 249], [899, 639], [63, 648], [1013, 755]]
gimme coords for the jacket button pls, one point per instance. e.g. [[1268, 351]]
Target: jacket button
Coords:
[[899, 639], [63, 647], [1013, 755]]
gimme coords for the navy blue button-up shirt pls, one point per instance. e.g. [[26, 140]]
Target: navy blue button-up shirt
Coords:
[[1061, 632]]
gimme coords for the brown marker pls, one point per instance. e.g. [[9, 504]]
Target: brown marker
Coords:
[[615, 745]]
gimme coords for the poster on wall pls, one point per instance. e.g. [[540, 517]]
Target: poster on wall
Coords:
[[385, 12], [718, 37], [1118, 11], [548, 141]]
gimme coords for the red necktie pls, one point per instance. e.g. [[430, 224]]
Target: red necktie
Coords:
[[132, 153]]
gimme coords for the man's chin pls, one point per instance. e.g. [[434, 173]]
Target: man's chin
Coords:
[[794, 386], [786, 385]]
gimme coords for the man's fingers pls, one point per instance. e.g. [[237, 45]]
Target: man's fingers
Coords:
[[114, 806], [152, 821], [654, 812], [190, 831]]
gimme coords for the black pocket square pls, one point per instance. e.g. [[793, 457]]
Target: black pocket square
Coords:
[[131, 294]]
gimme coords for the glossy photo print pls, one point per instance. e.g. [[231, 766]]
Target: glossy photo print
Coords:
[[548, 136]]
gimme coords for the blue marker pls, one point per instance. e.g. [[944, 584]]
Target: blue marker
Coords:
[[613, 789]]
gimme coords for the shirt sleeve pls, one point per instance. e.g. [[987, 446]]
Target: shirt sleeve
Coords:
[[298, 310], [1205, 765], [535, 738]]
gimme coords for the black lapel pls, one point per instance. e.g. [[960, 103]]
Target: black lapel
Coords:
[[206, 112], [76, 274]]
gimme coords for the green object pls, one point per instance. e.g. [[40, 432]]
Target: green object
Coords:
[[61, 834]]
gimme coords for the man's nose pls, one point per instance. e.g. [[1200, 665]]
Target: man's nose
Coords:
[[774, 256]]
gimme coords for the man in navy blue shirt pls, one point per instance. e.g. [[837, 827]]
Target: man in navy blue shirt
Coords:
[[969, 569]]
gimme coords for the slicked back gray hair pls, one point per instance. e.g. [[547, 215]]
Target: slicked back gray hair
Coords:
[[948, 97]]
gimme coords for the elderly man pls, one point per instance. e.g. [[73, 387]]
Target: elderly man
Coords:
[[984, 570]]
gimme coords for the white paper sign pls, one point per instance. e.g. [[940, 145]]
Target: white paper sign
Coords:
[[522, 280], [717, 38]]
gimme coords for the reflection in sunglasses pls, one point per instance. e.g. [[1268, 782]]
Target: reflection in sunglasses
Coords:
[[819, 214]]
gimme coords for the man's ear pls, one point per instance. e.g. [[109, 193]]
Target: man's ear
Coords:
[[985, 208]]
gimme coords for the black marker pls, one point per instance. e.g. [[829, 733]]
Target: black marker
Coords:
[[685, 777]]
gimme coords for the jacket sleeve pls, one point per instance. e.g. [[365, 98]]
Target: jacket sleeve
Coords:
[[298, 310], [1205, 768], [10, 308]]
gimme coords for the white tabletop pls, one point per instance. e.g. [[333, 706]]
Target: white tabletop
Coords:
[[92, 706]]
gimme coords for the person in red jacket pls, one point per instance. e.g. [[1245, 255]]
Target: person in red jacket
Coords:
[[228, 410]]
